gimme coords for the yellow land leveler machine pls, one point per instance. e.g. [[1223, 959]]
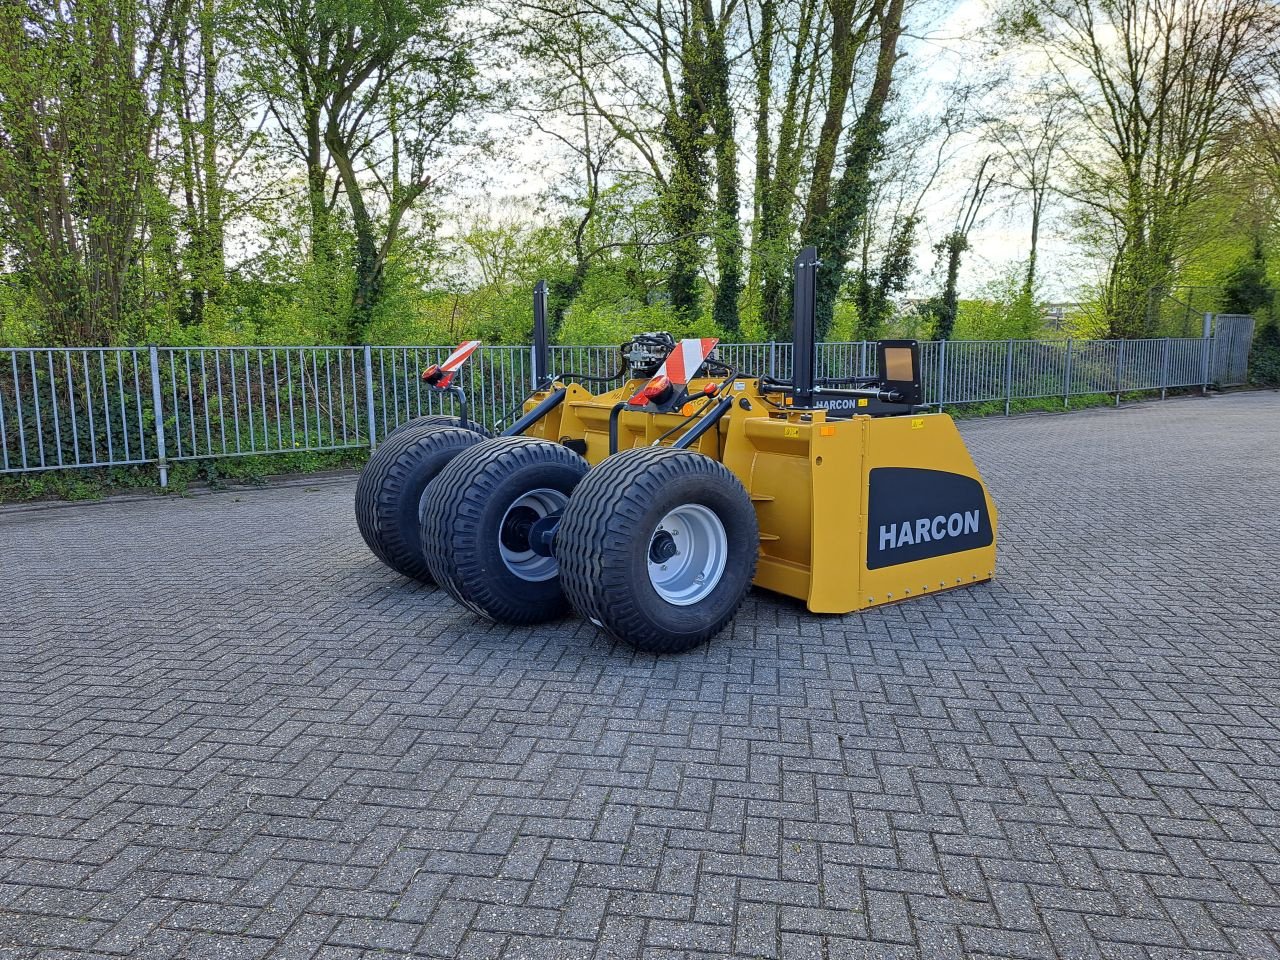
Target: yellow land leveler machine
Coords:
[[651, 508]]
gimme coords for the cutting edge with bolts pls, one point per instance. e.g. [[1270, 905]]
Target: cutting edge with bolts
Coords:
[[652, 506]]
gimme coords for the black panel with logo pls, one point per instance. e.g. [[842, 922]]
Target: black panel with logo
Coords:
[[914, 514]]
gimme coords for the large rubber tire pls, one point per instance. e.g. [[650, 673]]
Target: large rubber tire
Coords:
[[611, 532], [472, 537], [443, 421], [389, 491]]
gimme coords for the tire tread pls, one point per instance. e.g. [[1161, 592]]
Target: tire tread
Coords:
[[453, 508], [381, 486]]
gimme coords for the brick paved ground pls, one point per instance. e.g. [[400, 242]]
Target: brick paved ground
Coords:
[[226, 731]]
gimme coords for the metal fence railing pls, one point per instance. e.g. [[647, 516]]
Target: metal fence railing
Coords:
[[1232, 337], [113, 406]]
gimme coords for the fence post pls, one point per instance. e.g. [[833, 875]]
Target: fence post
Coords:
[[1119, 367], [156, 402], [942, 371], [1066, 387], [368, 396], [773, 359], [1164, 371], [1008, 378], [1206, 349]]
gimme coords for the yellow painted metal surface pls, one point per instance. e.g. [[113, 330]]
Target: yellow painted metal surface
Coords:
[[929, 442], [809, 479], [585, 416]]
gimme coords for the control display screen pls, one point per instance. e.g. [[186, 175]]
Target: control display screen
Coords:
[[897, 365]]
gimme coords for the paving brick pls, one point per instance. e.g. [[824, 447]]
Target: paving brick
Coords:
[[227, 731]]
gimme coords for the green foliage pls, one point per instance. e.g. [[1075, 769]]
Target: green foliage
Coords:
[[609, 310], [1088, 321], [1150, 99], [286, 298], [1247, 288], [77, 190], [1264, 358], [846, 321], [210, 172], [944, 308], [1006, 310], [20, 314], [1018, 20], [874, 287]]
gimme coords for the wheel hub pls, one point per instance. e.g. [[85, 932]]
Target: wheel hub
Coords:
[[523, 533], [516, 526], [688, 551], [663, 547]]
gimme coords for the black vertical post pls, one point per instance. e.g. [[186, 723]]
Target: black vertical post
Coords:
[[805, 356], [540, 350]]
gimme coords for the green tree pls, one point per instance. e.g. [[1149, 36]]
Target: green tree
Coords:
[[945, 306], [81, 88], [1031, 143], [831, 224], [1248, 287], [784, 42], [660, 76], [874, 286], [374, 92], [212, 137], [562, 111], [1153, 88], [726, 234], [1005, 309]]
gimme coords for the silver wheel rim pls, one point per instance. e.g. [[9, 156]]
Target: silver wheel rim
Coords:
[[524, 563], [688, 551]]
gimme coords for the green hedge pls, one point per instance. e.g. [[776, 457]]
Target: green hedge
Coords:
[[1264, 358]]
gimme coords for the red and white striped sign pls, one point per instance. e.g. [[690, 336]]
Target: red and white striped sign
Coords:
[[687, 358], [459, 356], [453, 363], [684, 362]]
